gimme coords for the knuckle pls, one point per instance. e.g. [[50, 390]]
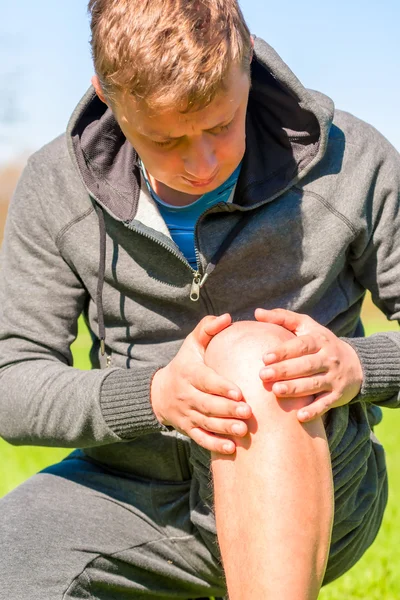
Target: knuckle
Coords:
[[303, 346], [204, 409], [316, 383], [186, 425], [185, 397], [312, 344], [322, 366], [281, 352], [309, 364], [206, 424], [334, 361], [283, 371]]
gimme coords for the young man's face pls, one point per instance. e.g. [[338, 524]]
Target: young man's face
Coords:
[[191, 153]]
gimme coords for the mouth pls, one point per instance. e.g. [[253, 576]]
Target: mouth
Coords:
[[200, 182]]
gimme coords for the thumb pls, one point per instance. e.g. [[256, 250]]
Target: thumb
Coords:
[[210, 326], [279, 316]]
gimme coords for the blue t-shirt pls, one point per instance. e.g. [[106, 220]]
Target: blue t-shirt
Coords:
[[181, 220]]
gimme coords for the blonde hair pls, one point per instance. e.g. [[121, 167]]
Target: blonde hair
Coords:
[[168, 52]]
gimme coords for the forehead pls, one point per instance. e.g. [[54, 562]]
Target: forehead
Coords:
[[174, 122]]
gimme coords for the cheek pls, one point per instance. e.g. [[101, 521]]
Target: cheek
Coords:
[[230, 149], [162, 165]]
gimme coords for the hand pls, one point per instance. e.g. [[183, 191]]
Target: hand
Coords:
[[194, 399], [315, 362]]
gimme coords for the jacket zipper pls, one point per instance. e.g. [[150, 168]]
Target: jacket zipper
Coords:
[[194, 296], [198, 279]]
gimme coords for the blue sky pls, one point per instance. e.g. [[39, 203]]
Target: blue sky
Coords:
[[349, 50]]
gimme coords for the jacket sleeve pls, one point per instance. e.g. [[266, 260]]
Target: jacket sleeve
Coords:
[[375, 259], [44, 400]]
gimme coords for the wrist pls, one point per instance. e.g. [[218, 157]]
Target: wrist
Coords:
[[356, 369], [156, 394]]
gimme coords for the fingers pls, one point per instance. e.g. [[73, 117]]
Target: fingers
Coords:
[[311, 364], [279, 316], [319, 407], [215, 406], [208, 381], [297, 388], [212, 442], [209, 419], [230, 427], [210, 326], [298, 346]]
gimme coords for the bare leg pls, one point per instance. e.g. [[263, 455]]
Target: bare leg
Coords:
[[274, 497]]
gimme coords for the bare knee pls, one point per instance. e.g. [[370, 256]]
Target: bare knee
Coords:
[[236, 353], [243, 341]]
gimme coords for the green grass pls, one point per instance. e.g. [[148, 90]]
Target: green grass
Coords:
[[20, 462], [375, 577]]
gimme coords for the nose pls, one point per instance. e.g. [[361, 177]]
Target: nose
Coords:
[[200, 160]]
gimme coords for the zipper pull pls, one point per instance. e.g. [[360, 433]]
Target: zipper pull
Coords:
[[197, 284], [195, 289]]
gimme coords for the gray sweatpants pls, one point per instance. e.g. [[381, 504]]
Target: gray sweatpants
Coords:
[[79, 530]]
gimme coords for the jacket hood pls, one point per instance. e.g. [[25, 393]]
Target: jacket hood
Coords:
[[287, 129]]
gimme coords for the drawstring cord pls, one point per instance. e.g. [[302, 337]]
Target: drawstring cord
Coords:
[[100, 283]]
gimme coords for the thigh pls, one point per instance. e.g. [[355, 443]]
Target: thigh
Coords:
[[360, 485], [78, 531]]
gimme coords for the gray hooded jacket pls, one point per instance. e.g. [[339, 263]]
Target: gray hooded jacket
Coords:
[[318, 205]]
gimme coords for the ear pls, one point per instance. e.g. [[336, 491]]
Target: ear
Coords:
[[99, 91], [252, 48]]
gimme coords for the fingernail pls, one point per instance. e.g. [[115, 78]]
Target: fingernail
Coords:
[[267, 373], [237, 429], [269, 358], [228, 448], [303, 414], [280, 389], [243, 411]]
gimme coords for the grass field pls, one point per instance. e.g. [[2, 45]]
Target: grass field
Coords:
[[375, 577]]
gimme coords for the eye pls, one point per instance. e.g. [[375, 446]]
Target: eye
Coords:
[[164, 144], [221, 128]]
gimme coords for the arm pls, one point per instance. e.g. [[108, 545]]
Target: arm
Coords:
[[375, 259], [341, 370], [43, 399]]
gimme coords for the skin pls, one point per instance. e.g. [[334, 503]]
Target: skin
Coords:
[[199, 150], [315, 362], [180, 150]]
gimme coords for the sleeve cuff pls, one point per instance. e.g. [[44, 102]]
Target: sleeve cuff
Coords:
[[125, 402], [380, 361]]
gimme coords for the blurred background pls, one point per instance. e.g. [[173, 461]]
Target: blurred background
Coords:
[[348, 50]]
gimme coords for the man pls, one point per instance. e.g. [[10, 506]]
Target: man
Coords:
[[197, 178]]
